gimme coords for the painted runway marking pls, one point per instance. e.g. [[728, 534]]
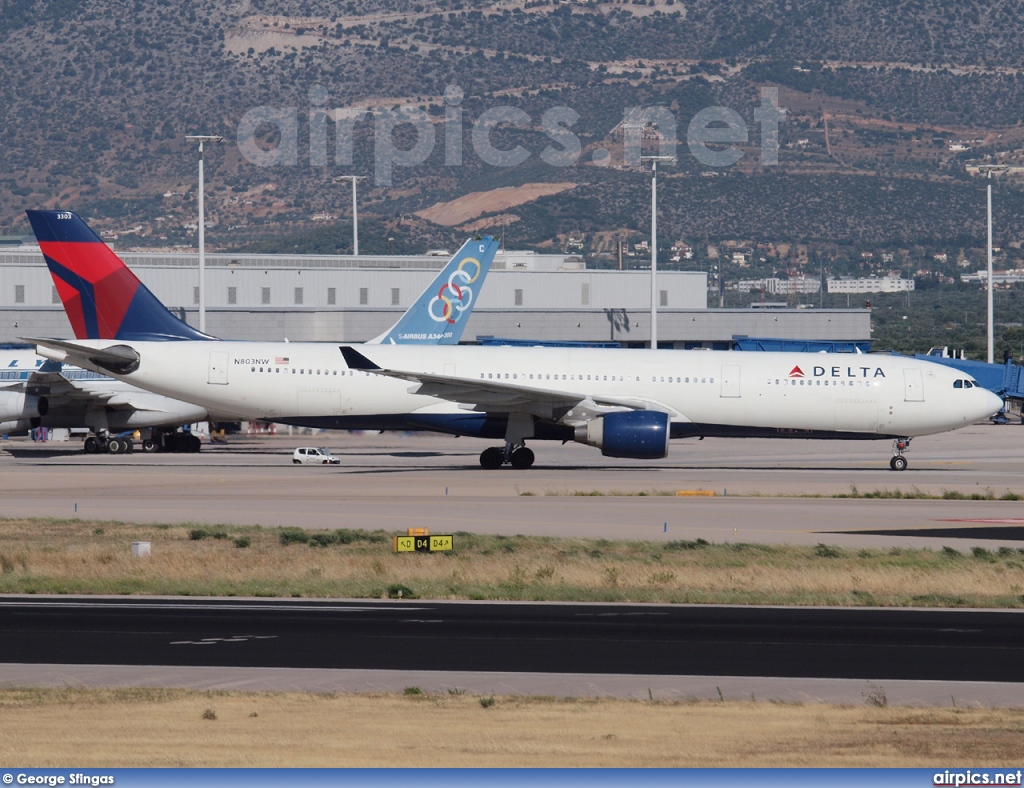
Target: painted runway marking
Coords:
[[1004, 520]]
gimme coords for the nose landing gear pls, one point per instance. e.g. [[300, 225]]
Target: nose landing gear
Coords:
[[898, 461]]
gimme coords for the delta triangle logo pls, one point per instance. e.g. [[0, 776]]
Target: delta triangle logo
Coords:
[[796, 372]]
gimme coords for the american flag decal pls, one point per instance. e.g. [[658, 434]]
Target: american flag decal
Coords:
[[281, 360]]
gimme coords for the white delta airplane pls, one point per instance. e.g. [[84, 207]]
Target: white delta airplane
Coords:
[[104, 300], [627, 403]]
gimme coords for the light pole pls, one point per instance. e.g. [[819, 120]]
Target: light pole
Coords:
[[654, 243], [201, 138], [355, 213], [988, 169]]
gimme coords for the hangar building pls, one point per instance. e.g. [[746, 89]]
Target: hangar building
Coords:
[[342, 298]]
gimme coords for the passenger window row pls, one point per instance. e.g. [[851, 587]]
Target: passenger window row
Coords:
[[300, 371], [548, 376], [809, 383]]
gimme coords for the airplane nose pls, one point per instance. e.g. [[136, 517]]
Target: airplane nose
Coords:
[[993, 404]]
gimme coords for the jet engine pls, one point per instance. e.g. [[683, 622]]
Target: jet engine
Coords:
[[636, 434], [17, 406], [20, 425]]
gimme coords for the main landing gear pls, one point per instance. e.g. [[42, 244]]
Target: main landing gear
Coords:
[[105, 444], [898, 461], [519, 457], [161, 440]]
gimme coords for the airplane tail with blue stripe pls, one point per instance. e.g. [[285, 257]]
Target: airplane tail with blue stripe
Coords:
[[440, 315], [102, 297]]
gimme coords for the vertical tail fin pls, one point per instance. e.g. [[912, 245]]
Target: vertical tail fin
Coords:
[[102, 297], [440, 315]]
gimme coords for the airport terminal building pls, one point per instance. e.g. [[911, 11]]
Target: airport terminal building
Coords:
[[341, 298]]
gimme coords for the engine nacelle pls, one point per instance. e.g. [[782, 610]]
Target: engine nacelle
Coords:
[[21, 425], [17, 405], [636, 434]]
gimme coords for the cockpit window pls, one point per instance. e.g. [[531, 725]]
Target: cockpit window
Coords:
[[968, 384], [958, 384]]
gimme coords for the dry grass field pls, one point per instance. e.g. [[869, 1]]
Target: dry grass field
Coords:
[[172, 728], [77, 557]]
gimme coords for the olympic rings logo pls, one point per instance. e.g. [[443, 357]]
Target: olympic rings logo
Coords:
[[453, 298]]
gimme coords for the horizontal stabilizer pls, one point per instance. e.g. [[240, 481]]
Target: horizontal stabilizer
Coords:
[[117, 359]]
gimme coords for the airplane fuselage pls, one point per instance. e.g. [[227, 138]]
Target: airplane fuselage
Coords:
[[704, 392]]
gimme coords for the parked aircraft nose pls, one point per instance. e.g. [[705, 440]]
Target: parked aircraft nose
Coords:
[[989, 404]]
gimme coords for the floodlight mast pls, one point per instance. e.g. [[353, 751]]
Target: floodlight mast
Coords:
[[201, 138], [355, 211], [988, 169], [654, 243]]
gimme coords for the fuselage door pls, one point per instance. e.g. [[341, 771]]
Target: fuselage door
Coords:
[[219, 367], [913, 385], [730, 380]]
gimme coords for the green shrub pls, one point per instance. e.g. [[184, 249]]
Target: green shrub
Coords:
[[395, 589], [196, 534], [686, 544], [289, 536], [322, 539], [243, 541]]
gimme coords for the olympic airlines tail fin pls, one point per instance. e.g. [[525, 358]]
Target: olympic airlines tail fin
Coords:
[[102, 297], [440, 315]]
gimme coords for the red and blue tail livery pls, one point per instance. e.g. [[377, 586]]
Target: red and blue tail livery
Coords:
[[102, 297]]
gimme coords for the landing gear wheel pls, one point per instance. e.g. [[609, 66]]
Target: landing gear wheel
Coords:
[[92, 445], [114, 446], [127, 445], [149, 446], [492, 458], [522, 458], [898, 463]]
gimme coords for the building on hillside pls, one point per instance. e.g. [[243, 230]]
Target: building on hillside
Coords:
[[869, 284], [1005, 278], [773, 285]]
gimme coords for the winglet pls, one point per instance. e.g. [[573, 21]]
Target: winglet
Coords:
[[102, 297], [356, 360], [441, 313]]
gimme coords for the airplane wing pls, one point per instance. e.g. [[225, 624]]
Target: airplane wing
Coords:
[[40, 382], [62, 389], [505, 397]]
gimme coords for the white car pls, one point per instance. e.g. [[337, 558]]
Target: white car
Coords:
[[305, 455]]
